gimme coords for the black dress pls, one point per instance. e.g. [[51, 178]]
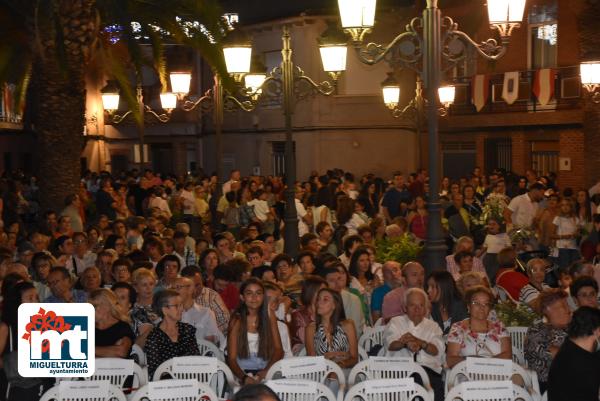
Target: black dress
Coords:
[[112, 334], [160, 348], [574, 374]]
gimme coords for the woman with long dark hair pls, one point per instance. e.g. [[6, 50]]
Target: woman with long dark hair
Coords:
[[334, 336], [447, 306], [362, 278], [253, 342], [369, 195], [208, 261]]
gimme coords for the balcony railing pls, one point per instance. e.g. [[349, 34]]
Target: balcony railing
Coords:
[[567, 94]]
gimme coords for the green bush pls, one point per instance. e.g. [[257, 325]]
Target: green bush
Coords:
[[515, 315], [401, 249]]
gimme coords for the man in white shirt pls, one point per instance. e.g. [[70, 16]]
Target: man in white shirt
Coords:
[[261, 207], [522, 209], [234, 176], [203, 319], [415, 336], [188, 199], [303, 216]]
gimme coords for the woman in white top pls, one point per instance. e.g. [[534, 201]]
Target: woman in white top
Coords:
[[347, 216], [414, 335], [566, 231]]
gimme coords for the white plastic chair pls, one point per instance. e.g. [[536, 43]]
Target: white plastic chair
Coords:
[[371, 337], [363, 392], [209, 349], [114, 394], [319, 376], [367, 370], [519, 394], [460, 370], [205, 393], [139, 355], [517, 338], [545, 396], [221, 379], [107, 369], [300, 390]]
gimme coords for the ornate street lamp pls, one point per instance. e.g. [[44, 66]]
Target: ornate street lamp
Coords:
[[590, 79], [427, 48]]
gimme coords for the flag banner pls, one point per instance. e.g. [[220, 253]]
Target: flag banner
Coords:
[[480, 86], [510, 88], [543, 85]]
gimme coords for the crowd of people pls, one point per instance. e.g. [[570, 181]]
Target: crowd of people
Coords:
[[172, 262]]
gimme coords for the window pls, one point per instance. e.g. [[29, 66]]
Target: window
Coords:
[[543, 34]]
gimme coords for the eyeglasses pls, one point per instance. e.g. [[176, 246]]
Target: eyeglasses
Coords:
[[176, 306], [178, 287], [481, 305], [79, 241]]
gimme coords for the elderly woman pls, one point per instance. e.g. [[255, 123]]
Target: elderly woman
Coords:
[[114, 336], [415, 335], [477, 336], [142, 315], [536, 271], [544, 339], [172, 337], [463, 244]]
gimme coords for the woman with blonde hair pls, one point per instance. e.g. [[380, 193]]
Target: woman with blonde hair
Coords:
[[114, 336], [142, 315]]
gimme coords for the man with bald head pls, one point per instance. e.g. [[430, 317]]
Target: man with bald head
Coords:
[[392, 278], [416, 336], [413, 275]]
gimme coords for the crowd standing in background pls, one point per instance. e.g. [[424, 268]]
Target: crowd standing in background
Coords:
[[169, 262]]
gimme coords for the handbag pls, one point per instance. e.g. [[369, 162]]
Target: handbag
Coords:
[[11, 367]]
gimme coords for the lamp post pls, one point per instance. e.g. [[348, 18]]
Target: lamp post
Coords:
[[423, 47], [290, 83], [590, 79]]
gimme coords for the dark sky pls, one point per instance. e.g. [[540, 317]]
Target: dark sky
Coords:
[[255, 11]]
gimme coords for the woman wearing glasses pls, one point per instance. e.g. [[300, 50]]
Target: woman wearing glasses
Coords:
[[171, 338], [477, 336]]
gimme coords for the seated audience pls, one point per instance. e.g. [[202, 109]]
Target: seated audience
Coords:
[[447, 306], [543, 339], [584, 292], [536, 271], [334, 336], [415, 336], [305, 314], [143, 316], [202, 318], [171, 337], [253, 343], [114, 336], [478, 336], [60, 282]]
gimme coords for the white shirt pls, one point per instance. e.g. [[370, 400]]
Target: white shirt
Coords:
[[494, 243], [566, 226], [286, 344], [353, 310], [301, 212], [189, 202], [261, 209], [427, 330], [78, 265], [524, 210], [353, 224], [203, 319]]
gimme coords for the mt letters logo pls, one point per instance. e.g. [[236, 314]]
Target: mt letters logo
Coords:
[[56, 340]]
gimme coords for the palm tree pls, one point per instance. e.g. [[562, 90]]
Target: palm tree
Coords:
[[50, 47]]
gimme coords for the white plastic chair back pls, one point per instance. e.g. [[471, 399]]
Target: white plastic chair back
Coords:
[[205, 393], [367, 370], [139, 355], [220, 380], [460, 371], [371, 337], [300, 390], [517, 338], [109, 369], [362, 354], [209, 349], [519, 394], [363, 391], [114, 394], [314, 375]]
